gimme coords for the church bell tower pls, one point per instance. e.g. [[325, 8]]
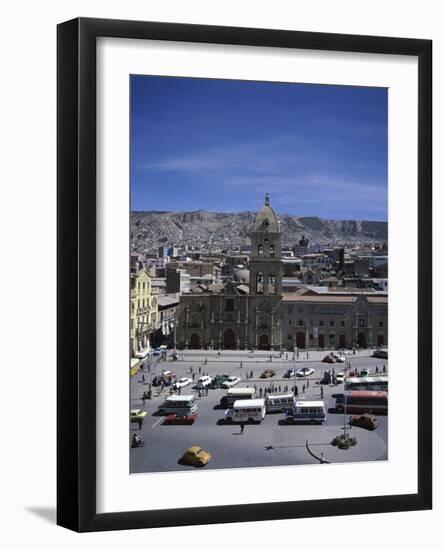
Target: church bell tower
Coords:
[[265, 268]]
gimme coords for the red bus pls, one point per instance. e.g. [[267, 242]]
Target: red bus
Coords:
[[362, 402]]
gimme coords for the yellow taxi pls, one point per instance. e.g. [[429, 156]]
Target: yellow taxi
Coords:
[[138, 415], [195, 456]]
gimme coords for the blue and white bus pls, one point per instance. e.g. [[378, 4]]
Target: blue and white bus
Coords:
[[312, 412]]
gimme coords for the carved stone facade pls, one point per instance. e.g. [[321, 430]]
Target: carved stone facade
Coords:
[[237, 316]]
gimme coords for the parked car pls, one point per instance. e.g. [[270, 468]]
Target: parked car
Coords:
[[230, 381], [340, 358], [290, 373], [176, 419], [217, 381], [195, 456], [328, 359], [267, 373], [303, 372], [182, 382], [138, 415], [204, 381], [365, 372], [340, 377], [367, 421]]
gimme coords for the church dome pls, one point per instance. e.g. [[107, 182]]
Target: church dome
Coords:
[[266, 219]]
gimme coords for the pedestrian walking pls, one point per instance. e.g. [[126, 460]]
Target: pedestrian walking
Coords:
[[252, 374], [143, 377], [270, 358], [199, 370], [140, 424], [242, 427], [144, 400], [241, 365], [261, 392], [286, 357], [279, 389], [307, 383], [307, 354], [193, 376], [206, 360], [206, 390], [384, 368], [303, 388]]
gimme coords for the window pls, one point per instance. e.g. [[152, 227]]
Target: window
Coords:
[[260, 250], [332, 339], [342, 323], [229, 304], [290, 322], [259, 283], [331, 323], [361, 322], [300, 323], [311, 337], [321, 323], [272, 251], [380, 324], [289, 337]]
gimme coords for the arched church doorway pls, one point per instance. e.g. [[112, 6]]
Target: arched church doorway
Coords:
[[229, 339], [195, 341], [361, 340], [300, 340], [321, 340], [263, 342]]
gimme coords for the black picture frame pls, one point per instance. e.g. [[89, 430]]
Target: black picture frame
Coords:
[[76, 281]]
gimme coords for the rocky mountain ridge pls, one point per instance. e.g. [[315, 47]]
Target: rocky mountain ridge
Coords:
[[220, 230]]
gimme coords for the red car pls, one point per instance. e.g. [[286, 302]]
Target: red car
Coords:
[[180, 419], [329, 359], [365, 420]]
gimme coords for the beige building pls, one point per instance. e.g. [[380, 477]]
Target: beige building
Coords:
[[144, 313], [312, 321]]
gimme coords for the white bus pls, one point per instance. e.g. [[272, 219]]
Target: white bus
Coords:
[[279, 402], [368, 383], [307, 411], [247, 411], [233, 394], [178, 404]]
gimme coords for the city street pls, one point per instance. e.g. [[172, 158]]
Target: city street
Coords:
[[270, 443]]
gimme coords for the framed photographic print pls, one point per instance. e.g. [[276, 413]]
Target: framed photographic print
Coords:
[[232, 203]]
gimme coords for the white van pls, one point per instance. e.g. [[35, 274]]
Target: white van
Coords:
[[178, 404], [312, 412], [279, 402], [246, 410], [233, 394]]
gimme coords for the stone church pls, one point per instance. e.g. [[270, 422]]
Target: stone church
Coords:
[[236, 315]]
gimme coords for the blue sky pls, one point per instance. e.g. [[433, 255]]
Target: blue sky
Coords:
[[220, 145]]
